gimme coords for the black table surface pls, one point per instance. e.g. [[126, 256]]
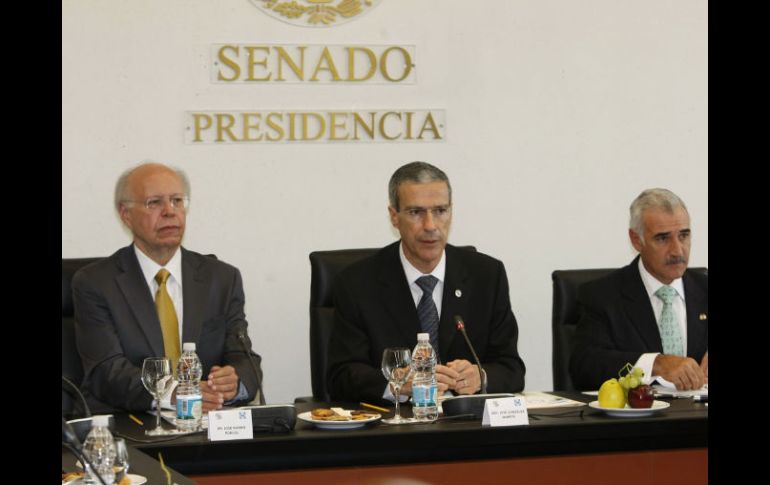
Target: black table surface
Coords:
[[553, 431]]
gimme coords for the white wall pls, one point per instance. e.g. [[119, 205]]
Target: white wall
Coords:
[[558, 114]]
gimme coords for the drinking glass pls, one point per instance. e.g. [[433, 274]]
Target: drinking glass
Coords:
[[157, 379], [396, 367], [121, 459]]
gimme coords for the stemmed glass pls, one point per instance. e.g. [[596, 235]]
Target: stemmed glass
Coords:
[[396, 367], [157, 379], [121, 459]]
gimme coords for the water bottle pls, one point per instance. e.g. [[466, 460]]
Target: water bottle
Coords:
[[99, 448], [424, 387], [189, 403]]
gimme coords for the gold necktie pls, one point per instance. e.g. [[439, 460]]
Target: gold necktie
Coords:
[[169, 324]]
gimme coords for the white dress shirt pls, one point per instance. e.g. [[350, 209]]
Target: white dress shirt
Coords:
[[651, 285], [412, 274], [174, 283]]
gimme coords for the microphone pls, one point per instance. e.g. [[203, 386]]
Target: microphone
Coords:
[[243, 339], [461, 327], [79, 394]]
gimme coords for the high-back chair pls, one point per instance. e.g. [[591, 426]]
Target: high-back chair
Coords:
[[566, 315], [324, 267], [71, 366]]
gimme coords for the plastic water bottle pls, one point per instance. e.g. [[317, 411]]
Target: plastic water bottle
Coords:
[[189, 403], [100, 449], [424, 387]]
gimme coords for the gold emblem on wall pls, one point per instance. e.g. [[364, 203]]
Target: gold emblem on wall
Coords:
[[315, 13]]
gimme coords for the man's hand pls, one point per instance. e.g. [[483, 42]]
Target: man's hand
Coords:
[[704, 365], [221, 386], [467, 378], [684, 372]]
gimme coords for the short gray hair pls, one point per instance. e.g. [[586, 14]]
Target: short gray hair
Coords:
[[122, 183], [662, 199], [417, 172]]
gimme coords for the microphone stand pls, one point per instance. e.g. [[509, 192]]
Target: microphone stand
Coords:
[[246, 348], [482, 373], [79, 394]]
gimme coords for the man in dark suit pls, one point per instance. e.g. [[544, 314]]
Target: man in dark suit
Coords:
[[625, 316], [376, 301], [117, 324]]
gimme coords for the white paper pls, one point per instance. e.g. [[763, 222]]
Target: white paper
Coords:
[[230, 424], [505, 411], [667, 389], [170, 417], [544, 400]]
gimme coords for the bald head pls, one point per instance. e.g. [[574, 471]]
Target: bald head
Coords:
[[152, 201], [124, 188]]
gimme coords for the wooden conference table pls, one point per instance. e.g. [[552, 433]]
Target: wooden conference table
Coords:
[[561, 445]]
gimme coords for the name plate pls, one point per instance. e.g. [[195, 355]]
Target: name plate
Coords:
[[230, 424], [505, 411]]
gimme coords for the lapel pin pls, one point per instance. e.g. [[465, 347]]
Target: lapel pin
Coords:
[[702, 316], [458, 293]]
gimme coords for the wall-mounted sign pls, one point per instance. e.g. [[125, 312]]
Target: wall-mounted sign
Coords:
[[317, 126], [297, 63], [315, 13]]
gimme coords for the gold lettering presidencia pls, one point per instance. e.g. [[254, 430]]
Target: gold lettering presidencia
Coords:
[[317, 126], [268, 63]]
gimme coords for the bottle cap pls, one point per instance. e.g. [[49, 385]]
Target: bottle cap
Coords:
[[423, 336], [188, 346], [100, 420]]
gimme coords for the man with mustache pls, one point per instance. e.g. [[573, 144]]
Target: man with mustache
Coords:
[[652, 313], [378, 301], [121, 301]]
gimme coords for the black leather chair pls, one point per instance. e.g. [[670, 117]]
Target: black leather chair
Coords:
[[324, 267], [565, 318], [71, 367], [566, 315]]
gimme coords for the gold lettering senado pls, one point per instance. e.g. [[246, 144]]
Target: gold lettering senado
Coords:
[[240, 63]]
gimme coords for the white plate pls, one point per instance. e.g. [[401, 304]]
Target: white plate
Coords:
[[308, 418], [629, 412], [136, 479]]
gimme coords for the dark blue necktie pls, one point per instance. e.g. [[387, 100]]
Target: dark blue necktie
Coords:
[[426, 309]]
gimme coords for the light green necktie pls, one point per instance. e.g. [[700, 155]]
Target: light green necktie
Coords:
[[667, 323], [169, 324]]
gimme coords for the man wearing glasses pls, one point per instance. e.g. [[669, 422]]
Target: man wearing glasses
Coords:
[[149, 297], [379, 301]]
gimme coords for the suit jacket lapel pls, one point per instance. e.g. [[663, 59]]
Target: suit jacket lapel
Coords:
[[395, 297], [457, 291], [638, 307], [695, 303], [131, 282], [194, 288]]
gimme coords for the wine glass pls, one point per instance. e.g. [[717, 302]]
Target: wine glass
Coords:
[[396, 367], [157, 379], [121, 459]]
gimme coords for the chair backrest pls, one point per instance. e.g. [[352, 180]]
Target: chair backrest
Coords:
[[324, 267], [565, 318], [566, 315], [71, 366]]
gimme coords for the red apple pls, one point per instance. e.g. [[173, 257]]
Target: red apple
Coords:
[[641, 396]]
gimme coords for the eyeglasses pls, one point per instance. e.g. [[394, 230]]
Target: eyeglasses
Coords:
[[156, 203], [439, 213]]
